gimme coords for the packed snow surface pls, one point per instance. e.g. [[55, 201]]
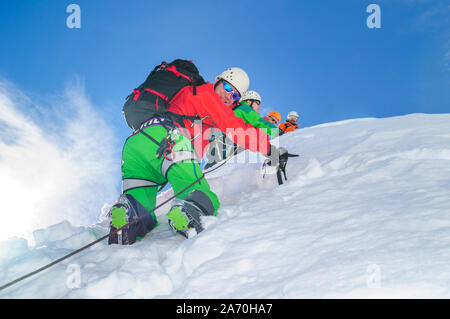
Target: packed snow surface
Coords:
[[365, 213]]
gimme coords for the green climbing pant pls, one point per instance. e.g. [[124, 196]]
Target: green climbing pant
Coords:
[[144, 170]]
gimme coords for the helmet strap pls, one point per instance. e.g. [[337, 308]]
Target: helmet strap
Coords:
[[217, 83]]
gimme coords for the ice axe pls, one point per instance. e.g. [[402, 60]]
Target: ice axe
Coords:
[[281, 166]]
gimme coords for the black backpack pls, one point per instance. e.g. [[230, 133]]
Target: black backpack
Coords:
[[151, 98]]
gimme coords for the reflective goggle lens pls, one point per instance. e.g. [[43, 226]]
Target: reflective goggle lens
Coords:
[[229, 89]]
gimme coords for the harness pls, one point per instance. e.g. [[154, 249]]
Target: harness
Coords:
[[165, 149]]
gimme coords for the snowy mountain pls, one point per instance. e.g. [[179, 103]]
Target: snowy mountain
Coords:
[[365, 213]]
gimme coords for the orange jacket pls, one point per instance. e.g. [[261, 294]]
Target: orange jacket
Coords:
[[215, 114], [287, 127]]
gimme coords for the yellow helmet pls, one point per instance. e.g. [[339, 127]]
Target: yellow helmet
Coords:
[[276, 115]]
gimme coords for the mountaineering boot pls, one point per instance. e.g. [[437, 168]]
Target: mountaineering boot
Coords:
[[118, 219], [184, 216], [125, 211]]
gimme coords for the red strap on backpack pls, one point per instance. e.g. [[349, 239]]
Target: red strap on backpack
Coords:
[[158, 94], [162, 66], [174, 70], [136, 94]]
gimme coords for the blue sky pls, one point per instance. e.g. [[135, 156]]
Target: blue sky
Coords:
[[316, 57]]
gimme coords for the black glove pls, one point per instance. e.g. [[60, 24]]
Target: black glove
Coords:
[[276, 155]]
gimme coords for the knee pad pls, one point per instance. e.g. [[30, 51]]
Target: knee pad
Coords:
[[201, 201], [186, 213]]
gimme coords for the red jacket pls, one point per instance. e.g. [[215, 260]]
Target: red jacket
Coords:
[[207, 103]]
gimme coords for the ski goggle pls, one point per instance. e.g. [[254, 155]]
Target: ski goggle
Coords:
[[229, 89]]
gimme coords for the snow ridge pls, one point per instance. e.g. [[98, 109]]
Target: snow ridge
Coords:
[[365, 213]]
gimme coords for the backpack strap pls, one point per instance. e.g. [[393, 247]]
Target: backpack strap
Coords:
[[198, 81], [178, 118]]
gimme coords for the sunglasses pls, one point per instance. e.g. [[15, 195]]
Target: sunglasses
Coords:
[[256, 101], [273, 119], [229, 89]]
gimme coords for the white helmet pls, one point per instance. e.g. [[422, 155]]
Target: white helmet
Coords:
[[293, 114], [251, 95], [236, 77]]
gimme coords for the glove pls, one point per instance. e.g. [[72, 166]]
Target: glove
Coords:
[[277, 156]]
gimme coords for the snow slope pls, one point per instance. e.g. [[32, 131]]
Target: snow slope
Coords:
[[365, 213]]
